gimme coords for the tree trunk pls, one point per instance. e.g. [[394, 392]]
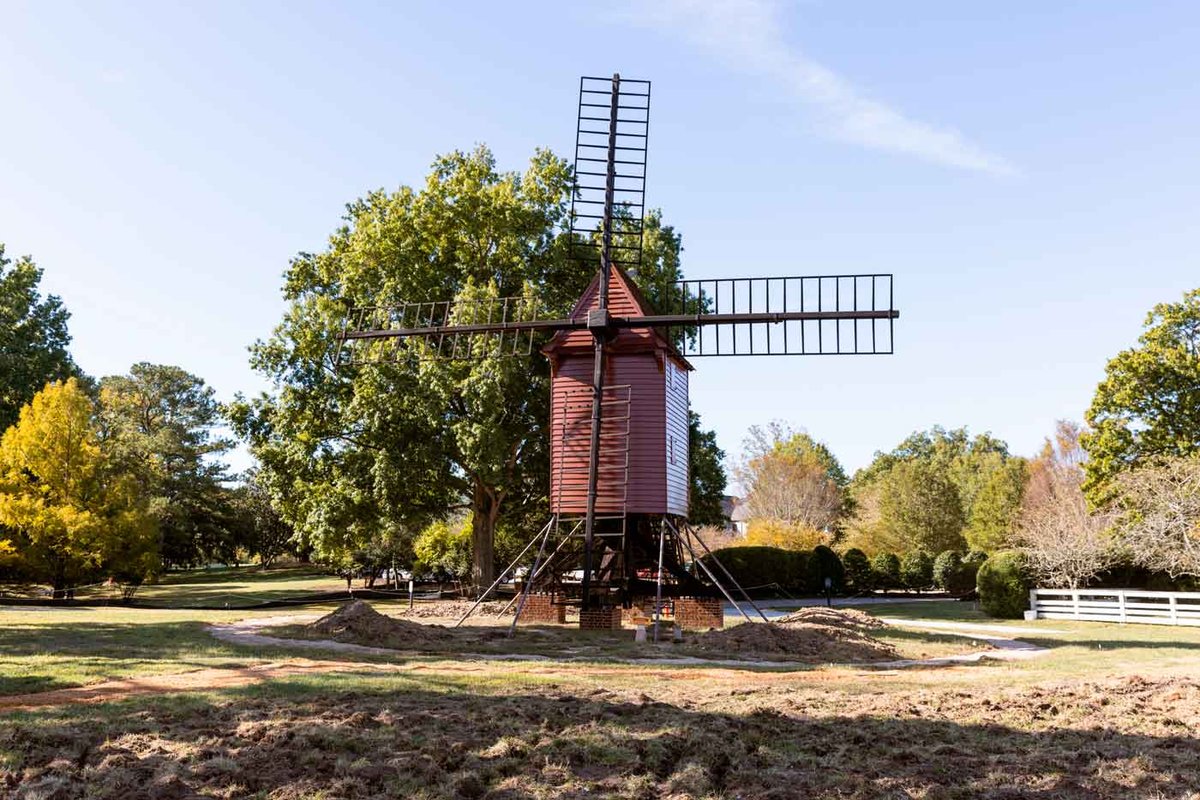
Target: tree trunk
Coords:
[[484, 513]]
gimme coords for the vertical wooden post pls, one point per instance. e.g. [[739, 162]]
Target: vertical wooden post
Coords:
[[1033, 602], [1174, 610], [1075, 600], [1121, 604]]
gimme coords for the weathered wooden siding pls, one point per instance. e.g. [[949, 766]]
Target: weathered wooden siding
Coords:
[[645, 489], [676, 398]]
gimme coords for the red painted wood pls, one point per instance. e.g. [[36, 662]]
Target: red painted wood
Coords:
[[637, 475]]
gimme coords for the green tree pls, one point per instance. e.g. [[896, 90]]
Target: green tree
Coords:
[[886, 568], [1148, 404], [916, 570], [858, 570], [264, 533], [72, 512], [707, 474], [920, 508], [161, 424], [33, 337], [383, 448], [976, 485], [994, 507]]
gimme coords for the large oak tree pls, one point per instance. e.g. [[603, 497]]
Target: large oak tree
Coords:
[[378, 450]]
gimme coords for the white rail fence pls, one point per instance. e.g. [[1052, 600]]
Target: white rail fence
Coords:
[[1116, 605]]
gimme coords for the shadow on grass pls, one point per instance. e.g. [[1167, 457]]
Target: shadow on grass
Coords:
[[434, 737]]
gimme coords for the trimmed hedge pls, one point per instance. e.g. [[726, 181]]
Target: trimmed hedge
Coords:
[[1003, 585], [916, 570], [954, 572], [886, 567], [858, 570], [763, 566], [822, 564]]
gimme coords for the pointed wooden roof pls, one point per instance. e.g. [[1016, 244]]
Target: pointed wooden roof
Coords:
[[625, 299]]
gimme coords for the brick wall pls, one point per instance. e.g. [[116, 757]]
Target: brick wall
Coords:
[[600, 619], [542, 609], [699, 613]]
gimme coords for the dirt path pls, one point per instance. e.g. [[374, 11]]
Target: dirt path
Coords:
[[245, 632]]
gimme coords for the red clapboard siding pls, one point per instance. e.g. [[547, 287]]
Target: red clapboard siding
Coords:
[[639, 421]]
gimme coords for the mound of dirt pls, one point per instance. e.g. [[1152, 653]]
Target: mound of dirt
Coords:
[[454, 609], [357, 622], [849, 618], [816, 636]]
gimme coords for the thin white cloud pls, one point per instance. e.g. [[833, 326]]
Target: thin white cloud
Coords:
[[746, 35]]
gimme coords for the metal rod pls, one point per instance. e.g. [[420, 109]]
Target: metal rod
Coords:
[[729, 575], [709, 573], [662, 538], [500, 579], [537, 562]]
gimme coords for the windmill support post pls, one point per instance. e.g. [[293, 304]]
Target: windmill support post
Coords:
[[500, 578], [729, 575], [662, 541], [537, 563], [696, 559]]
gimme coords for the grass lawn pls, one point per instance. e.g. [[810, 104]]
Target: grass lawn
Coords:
[[1112, 712]]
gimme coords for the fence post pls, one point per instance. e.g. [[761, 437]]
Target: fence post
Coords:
[[1075, 601], [1174, 610], [1121, 603], [1033, 602]]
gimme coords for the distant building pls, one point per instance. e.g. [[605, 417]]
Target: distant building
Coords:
[[736, 516]]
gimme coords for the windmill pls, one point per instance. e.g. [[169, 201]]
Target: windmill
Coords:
[[619, 374]]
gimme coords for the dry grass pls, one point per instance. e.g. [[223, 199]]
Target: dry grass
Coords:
[[524, 734]]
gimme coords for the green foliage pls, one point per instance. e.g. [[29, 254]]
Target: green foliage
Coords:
[[264, 533], [158, 424], [858, 570], [33, 337], [1147, 406], [764, 566], [916, 570], [707, 474], [824, 563], [886, 569], [993, 509], [953, 573], [381, 450], [443, 547], [72, 512], [1003, 585], [921, 508], [935, 491]]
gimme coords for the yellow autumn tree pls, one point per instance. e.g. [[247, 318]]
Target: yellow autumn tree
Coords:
[[71, 516]]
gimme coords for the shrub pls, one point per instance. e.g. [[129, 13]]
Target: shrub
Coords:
[[916, 570], [761, 566], [822, 564], [953, 573], [858, 570], [1003, 586], [886, 568]]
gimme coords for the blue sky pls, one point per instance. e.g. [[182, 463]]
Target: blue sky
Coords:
[[1028, 170]]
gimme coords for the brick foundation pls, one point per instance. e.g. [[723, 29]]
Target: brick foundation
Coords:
[[699, 613], [600, 619], [542, 609]]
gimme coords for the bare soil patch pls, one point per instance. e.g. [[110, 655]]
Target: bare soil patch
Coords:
[[357, 622], [454, 609], [811, 635], [428, 736]]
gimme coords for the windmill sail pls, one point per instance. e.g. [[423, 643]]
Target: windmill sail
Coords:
[[612, 112]]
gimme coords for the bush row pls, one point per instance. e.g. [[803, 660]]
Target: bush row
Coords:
[[805, 571]]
